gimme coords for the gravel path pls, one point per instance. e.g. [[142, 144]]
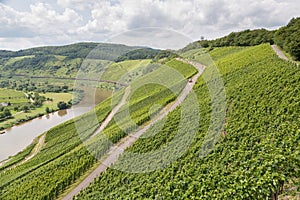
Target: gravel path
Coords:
[[279, 52], [113, 112]]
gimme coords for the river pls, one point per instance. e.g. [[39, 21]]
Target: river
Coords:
[[20, 136]]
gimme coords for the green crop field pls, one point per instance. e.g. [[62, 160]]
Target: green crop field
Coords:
[[7, 95], [10, 99]]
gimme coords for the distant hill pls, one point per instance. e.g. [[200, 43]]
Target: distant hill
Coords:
[[66, 60], [142, 53], [286, 37], [80, 50]]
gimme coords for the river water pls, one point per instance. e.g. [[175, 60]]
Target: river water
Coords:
[[20, 136]]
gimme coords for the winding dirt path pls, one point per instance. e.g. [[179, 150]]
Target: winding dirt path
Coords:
[[113, 112], [117, 149], [36, 149], [279, 52]]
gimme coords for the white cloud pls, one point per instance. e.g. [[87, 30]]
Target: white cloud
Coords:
[[63, 21], [75, 4]]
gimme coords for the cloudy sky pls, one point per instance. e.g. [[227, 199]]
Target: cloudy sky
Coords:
[[30, 23]]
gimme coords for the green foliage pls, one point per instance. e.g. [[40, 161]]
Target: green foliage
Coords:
[[288, 38], [38, 100], [6, 112], [138, 54], [19, 157], [165, 55], [25, 108], [143, 98], [47, 109], [243, 38], [62, 105]]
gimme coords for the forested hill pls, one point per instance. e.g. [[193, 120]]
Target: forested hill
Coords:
[[80, 50], [66, 60], [287, 37]]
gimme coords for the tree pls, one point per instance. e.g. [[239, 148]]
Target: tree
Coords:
[[7, 112], [25, 108], [62, 105], [47, 110]]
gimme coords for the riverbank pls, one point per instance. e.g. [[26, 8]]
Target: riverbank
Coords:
[[18, 137], [22, 117]]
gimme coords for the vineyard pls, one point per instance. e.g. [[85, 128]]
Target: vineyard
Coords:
[[70, 150], [257, 154]]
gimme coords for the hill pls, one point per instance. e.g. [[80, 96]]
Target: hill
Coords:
[[286, 37], [79, 50], [66, 60]]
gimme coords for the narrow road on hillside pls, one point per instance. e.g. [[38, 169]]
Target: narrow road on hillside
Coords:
[[113, 112], [279, 52], [117, 149]]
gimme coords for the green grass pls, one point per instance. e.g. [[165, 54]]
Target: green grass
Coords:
[[219, 53], [208, 56], [57, 97], [13, 96], [15, 59], [193, 53], [116, 70]]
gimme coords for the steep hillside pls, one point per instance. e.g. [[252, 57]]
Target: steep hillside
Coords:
[[257, 156]]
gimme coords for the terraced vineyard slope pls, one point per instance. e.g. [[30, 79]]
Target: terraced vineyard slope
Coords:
[[257, 155]]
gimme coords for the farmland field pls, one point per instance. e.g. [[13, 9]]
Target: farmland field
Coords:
[[19, 100], [13, 96]]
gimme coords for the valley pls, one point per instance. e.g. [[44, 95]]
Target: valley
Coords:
[[217, 119]]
